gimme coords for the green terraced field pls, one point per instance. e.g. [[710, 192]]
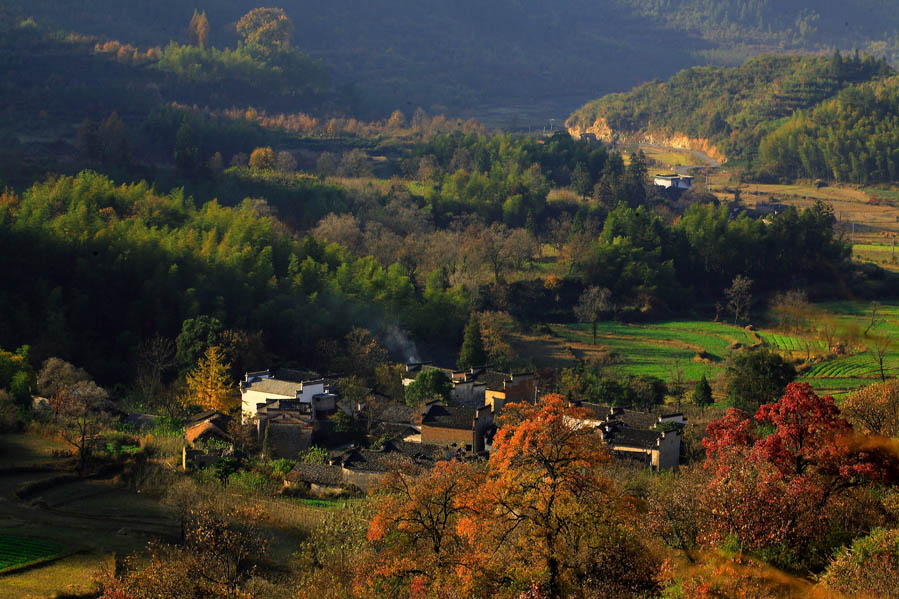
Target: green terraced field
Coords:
[[653, 349], [16, 552], [789, 343], [857, 366]]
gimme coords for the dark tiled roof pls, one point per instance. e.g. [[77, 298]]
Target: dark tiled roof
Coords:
[[420, 452], [630, 418], [397, 412], [284, 405], [594, 411], [274, 386], [207, 415], [494, 380], [317, 474], [455, 417], [394, 455], [631, 437], [296, 376], [393, 428], [635, 419], [370, 460]]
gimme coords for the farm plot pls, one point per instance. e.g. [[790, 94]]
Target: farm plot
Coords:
[[18, 552], [858, 366], [789, 343], [655, 349]]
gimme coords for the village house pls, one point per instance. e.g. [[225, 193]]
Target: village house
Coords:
[[464, 427], [285, 427], [366, 468], [477, 398], [509, 388], [201, 432], [476, 387], [288, 412], [468, 386], [399, 421], [673, 181], [259, 388], [205, 426], [641, 438]]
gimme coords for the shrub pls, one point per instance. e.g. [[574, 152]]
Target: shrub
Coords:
[[314, 455], [250, 480], [868, 568], [282, 466]]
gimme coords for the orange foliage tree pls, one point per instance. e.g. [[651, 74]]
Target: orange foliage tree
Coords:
[[540, 516], [559, 520], [417, 529]]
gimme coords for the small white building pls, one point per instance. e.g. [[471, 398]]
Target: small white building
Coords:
[[260, 388], [673, 181]]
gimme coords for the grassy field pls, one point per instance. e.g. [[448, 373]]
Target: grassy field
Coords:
[[80, 525], [18, 552], [667, 158], [22, 450]]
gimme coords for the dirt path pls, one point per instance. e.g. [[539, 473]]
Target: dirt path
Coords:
[[705, 160]]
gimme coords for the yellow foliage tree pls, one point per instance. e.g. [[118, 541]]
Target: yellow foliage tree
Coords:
[[208, 384], [262, 159], [266, 29], [198, 30], [875, 408]]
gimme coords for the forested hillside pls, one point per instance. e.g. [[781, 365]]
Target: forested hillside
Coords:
[[865, 24], [725, 110]]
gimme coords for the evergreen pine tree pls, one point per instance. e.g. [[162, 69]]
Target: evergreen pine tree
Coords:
[[702, 394], [473, 352]]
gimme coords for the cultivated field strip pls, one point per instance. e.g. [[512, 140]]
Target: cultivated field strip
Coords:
[[19, 552]]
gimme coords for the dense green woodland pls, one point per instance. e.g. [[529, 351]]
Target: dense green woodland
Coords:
[[94, 268], [853, 138]]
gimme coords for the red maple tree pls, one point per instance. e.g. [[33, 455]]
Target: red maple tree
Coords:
[[777, 473]]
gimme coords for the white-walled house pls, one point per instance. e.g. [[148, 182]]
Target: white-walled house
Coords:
[[260, 388], [673, 181]]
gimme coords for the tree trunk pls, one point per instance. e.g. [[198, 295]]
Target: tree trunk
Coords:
[[552, 587]]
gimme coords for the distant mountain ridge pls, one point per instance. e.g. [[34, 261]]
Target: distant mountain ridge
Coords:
[[469, 53]]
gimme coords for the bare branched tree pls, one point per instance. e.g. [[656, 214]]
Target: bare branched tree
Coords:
[[593, 303], [880, 348], [739, 298]]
